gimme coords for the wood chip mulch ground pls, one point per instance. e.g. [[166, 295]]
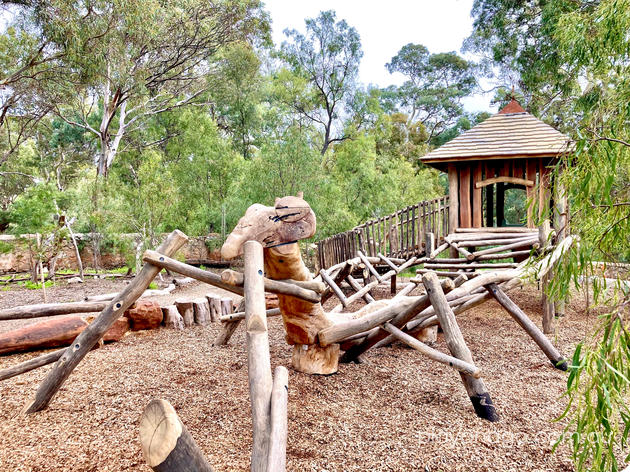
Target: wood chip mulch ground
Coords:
[[398, 411]]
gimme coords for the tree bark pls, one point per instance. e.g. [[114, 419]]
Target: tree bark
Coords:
[[475, 387], [48, 333]]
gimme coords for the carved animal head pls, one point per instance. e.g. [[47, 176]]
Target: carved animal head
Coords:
[[289, 220]]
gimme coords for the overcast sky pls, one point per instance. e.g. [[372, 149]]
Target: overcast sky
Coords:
[[384, 27]]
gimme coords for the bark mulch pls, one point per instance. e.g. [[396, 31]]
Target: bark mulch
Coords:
[[398, 411]]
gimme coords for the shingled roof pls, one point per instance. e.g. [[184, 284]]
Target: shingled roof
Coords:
[[512, 133]]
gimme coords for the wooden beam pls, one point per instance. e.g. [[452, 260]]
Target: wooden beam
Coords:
[[477, 212], [476, 389], [557, 359], [464, 197], [453, 198], [530, 174], [508, 180], [434, 354]]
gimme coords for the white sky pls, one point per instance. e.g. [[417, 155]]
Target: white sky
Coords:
[[384, 27]]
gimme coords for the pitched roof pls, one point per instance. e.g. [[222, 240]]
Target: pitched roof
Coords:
[[510, 133]]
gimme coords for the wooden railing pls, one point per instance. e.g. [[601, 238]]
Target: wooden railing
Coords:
[[400, 234]]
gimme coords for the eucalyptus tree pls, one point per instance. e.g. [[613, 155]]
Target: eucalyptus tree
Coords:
[[574, 56], [328, 58], [130, 60], [434, 87]]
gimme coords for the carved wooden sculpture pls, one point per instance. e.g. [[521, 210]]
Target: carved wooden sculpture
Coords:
[[278, 229]]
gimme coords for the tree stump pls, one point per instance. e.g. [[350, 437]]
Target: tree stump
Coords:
[[202, 311], [215, 307], [172, 318], [227, 306], [185, 308]]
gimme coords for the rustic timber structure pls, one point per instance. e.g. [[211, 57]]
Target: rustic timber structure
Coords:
[[512, 149]]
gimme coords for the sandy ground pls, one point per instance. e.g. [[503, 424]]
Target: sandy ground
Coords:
[[399, 411]]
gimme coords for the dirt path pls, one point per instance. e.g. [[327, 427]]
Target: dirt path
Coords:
[[397, 412]]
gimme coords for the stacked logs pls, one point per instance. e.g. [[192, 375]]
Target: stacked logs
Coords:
[[62, 330]]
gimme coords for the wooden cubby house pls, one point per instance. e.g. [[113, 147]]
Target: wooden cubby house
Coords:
[[511, 149]]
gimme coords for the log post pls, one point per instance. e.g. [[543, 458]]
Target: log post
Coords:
[[429, 243], [172, 318], [95, 331], [227, 306], [476, 389], [557, 359], [202, 311], [548, 307], [167, 445], [187, 311], [277, 459], [258, 360], [215, 307]]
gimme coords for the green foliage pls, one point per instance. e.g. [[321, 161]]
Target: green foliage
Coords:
[[573, 61], [435, 85], [328, 58], [6, 248]]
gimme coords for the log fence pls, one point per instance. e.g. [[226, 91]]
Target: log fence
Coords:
[[399, 235]]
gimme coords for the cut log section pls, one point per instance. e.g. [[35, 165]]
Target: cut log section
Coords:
[[215, 307], [167, 445], [201, 311], [172, 318], [55, 332], [187, 310]]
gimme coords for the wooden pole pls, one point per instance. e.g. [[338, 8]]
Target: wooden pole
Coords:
[[167, 445], [277, 459], [548, 308], [258, 361], [95, 331], [30, 364], [433, 354], [50, 309], [557, 359], [476, 389], [453, 202], [273, 286]]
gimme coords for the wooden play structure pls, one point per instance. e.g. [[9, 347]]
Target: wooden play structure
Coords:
[[268, 239], [509, 150]]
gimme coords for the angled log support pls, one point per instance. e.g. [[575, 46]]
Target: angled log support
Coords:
[[557, 359], [475, 387], [95, 331]]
